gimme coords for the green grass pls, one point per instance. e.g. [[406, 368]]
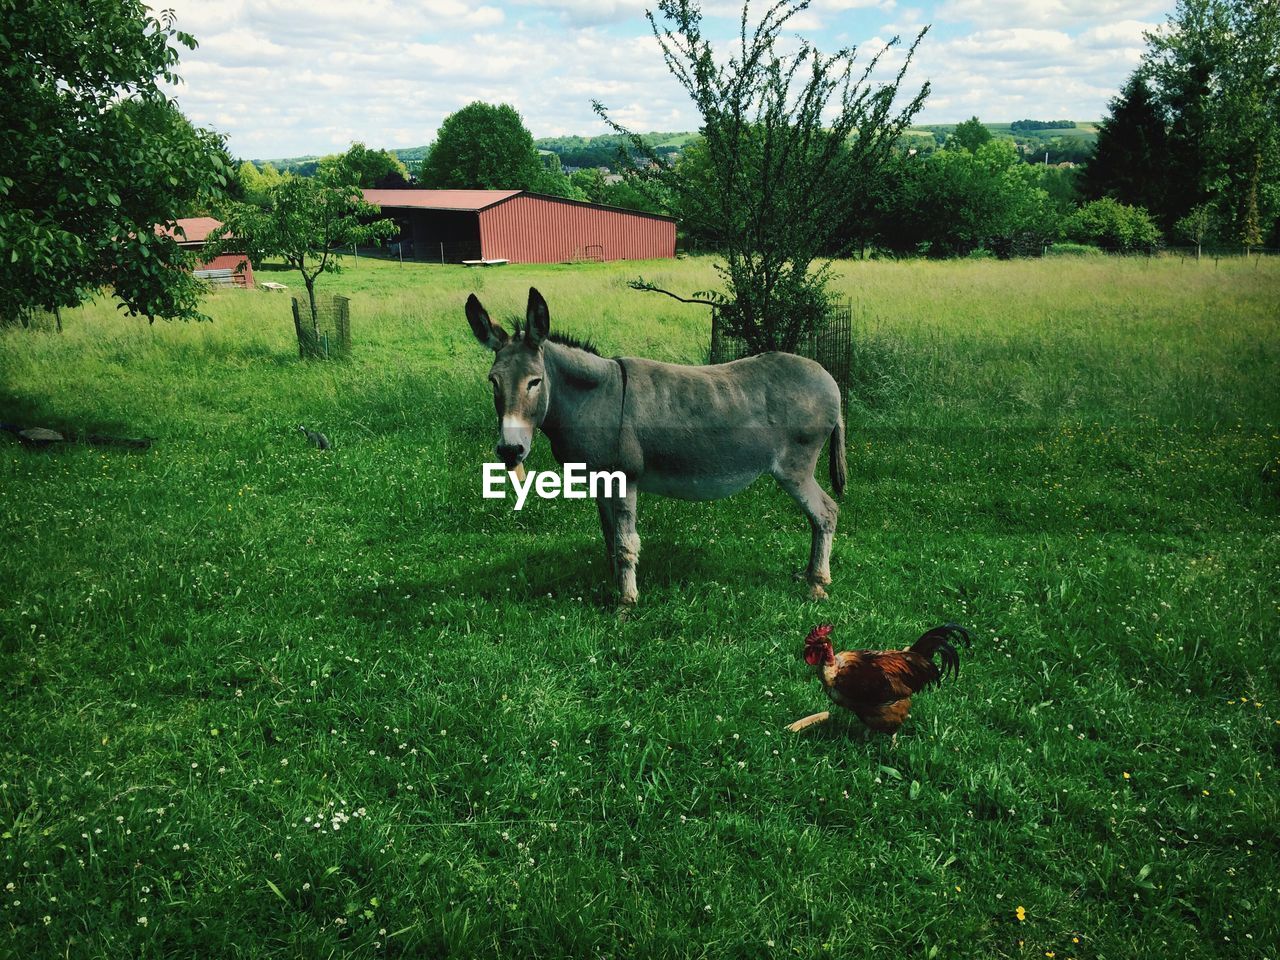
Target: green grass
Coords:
[[217, 651]]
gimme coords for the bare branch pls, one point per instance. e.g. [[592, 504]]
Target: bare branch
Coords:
[[647, 287]]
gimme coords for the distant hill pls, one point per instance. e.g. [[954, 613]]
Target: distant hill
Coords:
[[601, 151], [306, 166], [1080, 128]]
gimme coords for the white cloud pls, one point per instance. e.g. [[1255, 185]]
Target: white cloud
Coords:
[[1018, 44], [1021, 13], [593, 12], [1124, 34], [289, 77]]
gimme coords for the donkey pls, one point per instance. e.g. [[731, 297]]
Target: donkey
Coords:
[[697, 433]]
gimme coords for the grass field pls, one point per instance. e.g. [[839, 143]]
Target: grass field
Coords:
[[263, 700]]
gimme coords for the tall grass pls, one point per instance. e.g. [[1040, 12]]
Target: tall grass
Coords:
[[263, 700]]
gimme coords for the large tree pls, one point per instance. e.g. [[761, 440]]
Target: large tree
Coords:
[[372, 168], [1213, 72], [971, 134], [786, 133], [93, 156], [486, 147], [1131, 156]]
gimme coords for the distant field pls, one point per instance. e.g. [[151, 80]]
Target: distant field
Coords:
[[1082, 128], [262, 700]]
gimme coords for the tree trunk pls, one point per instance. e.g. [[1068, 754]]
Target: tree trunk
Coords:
[[315, 313]]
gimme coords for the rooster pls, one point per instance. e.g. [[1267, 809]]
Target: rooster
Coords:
[[877, 684]]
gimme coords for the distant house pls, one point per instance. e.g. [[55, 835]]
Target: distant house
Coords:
[[520, 227], [222, 271]]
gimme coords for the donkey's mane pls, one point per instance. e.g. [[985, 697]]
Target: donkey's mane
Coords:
[[564, 339]]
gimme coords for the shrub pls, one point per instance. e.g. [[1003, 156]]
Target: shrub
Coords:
[[1073, 250], [1112, 226]]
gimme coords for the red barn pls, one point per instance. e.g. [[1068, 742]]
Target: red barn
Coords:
[[521, 227], [223, 271]]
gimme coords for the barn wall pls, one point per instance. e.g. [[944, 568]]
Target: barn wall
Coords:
[[229, 261], [529, 229]]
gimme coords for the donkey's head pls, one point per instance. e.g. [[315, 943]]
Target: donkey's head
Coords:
[[520, 391]]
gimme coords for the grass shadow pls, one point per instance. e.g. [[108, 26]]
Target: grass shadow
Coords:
[[576, 568], [27, 411]]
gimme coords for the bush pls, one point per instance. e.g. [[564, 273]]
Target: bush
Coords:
[[1112, 226], [956, 201], [1073, 250]]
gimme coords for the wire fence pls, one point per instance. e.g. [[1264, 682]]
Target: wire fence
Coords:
[[328, 334], [830, 343], [1212, 252]]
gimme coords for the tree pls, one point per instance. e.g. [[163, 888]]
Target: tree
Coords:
[[1113, 226], [1131, 155], [255, 184], [372, 168], [1215, 67], [590, 183], [305, 222], [971, 134], [483, 147], [1062, 185], [551, 178], [1196, 225], [955, 202], [93, 156], [785, 136]]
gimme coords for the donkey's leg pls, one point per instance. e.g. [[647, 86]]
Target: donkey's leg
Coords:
[[626, 545], [822, 512], [603, 505]]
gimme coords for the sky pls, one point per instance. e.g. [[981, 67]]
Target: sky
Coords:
[[284, 78]]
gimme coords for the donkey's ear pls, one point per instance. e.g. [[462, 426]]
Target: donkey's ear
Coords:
[[537, 318], [486, 331]]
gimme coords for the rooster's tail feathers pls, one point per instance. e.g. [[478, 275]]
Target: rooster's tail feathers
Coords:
[[941, 640]]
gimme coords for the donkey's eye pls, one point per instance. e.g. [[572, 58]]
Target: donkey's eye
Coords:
[[534, 382]]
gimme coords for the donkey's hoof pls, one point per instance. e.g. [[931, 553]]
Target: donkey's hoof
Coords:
[[817, 592], [626, 606]]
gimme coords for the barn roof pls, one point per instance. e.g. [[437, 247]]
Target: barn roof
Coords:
[[196, 229], [471, 200]]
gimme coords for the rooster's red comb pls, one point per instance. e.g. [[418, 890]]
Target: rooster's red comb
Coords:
[[819, 634]]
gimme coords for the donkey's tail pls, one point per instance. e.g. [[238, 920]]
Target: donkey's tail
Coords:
[[836, 456]]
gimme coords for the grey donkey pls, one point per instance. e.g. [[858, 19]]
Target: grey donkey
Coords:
[[693, 432]]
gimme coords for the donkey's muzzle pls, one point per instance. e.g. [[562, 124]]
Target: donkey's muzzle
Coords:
[[510, 454]]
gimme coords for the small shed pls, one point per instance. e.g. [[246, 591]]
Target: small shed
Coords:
[[226, 270], [521, 227]]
